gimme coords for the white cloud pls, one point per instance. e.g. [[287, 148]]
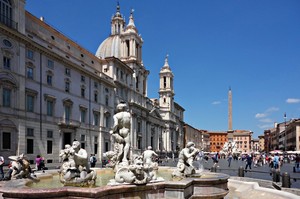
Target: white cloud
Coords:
[[216, 102], [272, 109], [267, 123], [267, 112], [260, 115], [266, 120], [266, 126], [292, 100]]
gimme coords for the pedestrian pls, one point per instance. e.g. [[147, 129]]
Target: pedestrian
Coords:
[[248, 161], [297, 160], [255, 158], [1, 167], [215, 160], [229, 158], [276, 161], [264, 159], [38, 161], [93, 160]]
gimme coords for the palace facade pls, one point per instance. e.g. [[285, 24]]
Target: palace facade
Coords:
[[53, 90]]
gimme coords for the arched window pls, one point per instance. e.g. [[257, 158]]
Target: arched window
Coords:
[[6, 12]]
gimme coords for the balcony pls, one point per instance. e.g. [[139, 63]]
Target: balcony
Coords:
[[8, 22], [67, 123]]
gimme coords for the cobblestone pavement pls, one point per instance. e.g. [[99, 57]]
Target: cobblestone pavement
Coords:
[[261, 172]]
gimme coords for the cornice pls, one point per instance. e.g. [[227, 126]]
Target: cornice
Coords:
[[38, 47]]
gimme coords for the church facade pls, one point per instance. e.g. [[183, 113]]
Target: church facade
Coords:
[[54, 91]]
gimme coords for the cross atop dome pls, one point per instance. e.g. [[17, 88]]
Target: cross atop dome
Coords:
[[167, 61], [118, 13], [131, 25]]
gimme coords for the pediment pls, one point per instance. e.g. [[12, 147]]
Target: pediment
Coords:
[[155, 112], [67, 101], [7, 123], [7, 78]]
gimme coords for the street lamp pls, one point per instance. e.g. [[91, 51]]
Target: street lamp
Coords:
[[284, 131]]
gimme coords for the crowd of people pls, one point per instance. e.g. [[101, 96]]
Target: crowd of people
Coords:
[[274, 160]]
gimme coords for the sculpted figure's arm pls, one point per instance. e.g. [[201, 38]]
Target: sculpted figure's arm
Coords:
[[82, 154], [188, 155], [116, 124]]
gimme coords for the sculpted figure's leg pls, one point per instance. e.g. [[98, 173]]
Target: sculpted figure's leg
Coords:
[[126, 148]]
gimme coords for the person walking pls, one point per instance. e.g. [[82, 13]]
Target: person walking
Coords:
[[248, 161], [297, 163], [215, 160], [276, 161], [93, 160], [1, 167], [297, 160], [229, 158], [38, 162]]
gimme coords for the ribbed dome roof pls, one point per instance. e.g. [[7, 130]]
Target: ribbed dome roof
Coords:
[[110, 47]]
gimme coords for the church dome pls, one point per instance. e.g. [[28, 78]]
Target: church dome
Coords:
[[110, 47]]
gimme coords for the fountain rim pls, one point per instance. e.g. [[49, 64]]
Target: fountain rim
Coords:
[[107, 190]]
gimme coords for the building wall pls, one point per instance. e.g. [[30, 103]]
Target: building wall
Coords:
[[217, 140], [284, 136], [243, 141], [193, 135], [261, 143]]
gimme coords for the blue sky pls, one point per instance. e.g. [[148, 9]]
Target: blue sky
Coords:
[[251, 46]]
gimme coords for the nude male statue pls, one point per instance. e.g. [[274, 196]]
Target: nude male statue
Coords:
[[185, 160], [121, 131], [148, 156]]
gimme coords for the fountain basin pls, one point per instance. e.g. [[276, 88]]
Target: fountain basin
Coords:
[[208, 185]]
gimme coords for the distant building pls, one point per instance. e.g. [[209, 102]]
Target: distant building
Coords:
[[217, 140], [255, 147], [284, 136], [293, 135], [243, 139], [192, 134], [261, 140], [205, 140]]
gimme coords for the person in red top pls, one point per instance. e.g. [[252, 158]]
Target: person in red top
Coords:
[[38, 161]]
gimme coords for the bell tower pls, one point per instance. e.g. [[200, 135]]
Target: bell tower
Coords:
[[166, 87], [117, 23], [131, 42]]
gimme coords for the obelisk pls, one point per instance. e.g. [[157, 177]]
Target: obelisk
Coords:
[[230, 130]]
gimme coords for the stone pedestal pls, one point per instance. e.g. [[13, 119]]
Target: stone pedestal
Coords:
[[230, 135]]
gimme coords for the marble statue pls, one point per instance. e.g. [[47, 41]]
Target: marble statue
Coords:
[[135, 169], [229, 147], [20, 168], [149, 164], [121, 133], [75, 169], [186, 157]]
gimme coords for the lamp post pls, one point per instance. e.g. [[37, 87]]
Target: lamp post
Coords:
[[284, 131]]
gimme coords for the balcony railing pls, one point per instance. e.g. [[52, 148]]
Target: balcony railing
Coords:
[[8, 22], [68, 123]]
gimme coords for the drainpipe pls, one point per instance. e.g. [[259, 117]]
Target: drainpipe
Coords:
[[41, 126], [89, 130]]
